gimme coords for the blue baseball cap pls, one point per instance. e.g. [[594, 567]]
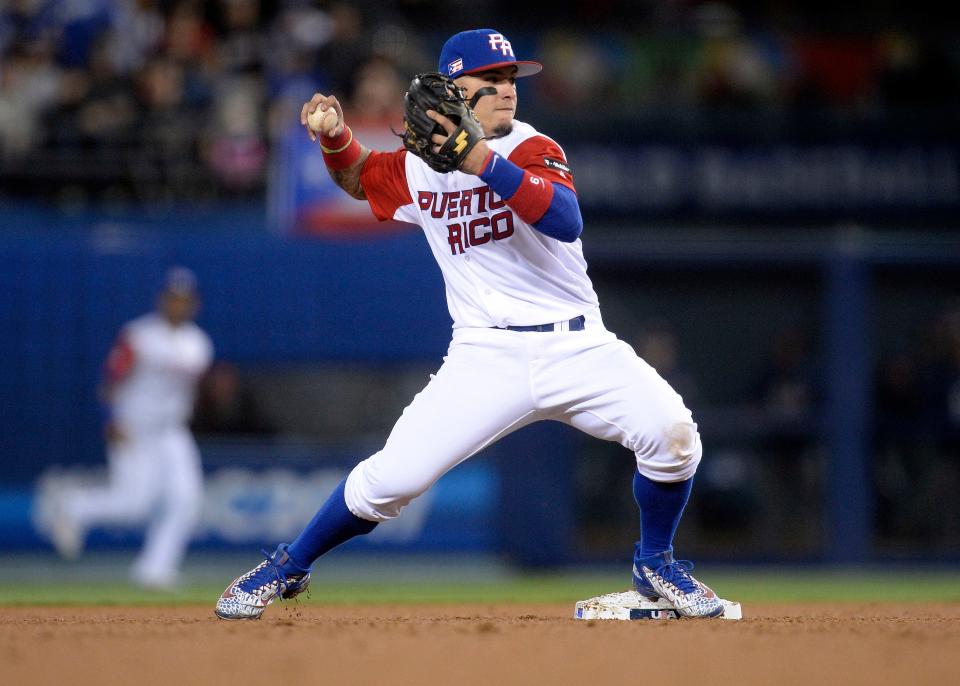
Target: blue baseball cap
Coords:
[[479, 50]]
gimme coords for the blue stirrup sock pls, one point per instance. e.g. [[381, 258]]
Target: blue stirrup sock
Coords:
[[661, 505], [333, 524]]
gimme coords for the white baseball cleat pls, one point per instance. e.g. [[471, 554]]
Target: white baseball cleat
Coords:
[[277, 576], [660, 576]]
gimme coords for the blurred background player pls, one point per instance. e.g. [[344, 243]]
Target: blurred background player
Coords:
[[155, 477]]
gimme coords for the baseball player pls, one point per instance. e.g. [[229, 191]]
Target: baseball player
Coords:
[[496, 201], [155, 476]]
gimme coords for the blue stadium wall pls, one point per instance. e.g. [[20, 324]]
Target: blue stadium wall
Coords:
[[68, 283]]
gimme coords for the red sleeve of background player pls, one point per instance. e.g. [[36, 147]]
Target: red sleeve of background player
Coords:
[[542, 157], [384, 181], [120, 361]]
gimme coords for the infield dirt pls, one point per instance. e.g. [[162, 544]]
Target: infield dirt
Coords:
[[479, 644]]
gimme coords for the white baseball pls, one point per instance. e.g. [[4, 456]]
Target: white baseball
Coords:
[[323, 122]]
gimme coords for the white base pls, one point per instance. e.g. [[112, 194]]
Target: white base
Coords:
[[630, 605]]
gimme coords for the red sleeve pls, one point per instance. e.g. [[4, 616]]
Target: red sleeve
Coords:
[[542, 157], [384, 181], [120, 361]]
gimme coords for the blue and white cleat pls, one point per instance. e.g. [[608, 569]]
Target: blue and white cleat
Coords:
[[660, 576], [277, 576]]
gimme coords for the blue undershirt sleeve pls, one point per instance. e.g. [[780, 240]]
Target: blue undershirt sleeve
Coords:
[[562, 220]]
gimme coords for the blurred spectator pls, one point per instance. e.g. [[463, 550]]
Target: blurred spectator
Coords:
[[191, 42], [579, 72], [917, 435], [30, 83], [78, 25], [377, 95], [945, 377], [235, 145], [138, 28], [656, 344], [225, 407], [166, 129], [787, 389], [91, 129], [912, 72], [789, 399], [728, 496], [901, 445], [834, 70], [106, 113], [242, 44], [735, 70], [295, 37], [344, 50], [657, 68]]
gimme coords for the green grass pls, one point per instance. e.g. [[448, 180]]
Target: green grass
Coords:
[[747, 586]]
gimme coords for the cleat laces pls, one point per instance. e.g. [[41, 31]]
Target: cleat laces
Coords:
[[677, 573], [267, 575]]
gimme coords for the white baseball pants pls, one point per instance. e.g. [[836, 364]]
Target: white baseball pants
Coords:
[[155, 479], [494, 381]]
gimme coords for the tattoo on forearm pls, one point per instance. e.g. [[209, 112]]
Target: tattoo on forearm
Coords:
[[349, 179]]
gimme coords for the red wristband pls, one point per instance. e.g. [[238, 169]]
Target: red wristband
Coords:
[[341, 151]]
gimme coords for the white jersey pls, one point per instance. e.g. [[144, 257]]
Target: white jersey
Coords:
[[154, 369], [498, 269]]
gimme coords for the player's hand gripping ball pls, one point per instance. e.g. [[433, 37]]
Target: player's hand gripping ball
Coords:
[[323, 122], [434, 91]]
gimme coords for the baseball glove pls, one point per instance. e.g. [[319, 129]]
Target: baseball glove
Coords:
[[434, 91]]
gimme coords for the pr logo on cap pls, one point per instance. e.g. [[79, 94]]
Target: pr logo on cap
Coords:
[[455, 66], [498, 42]]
